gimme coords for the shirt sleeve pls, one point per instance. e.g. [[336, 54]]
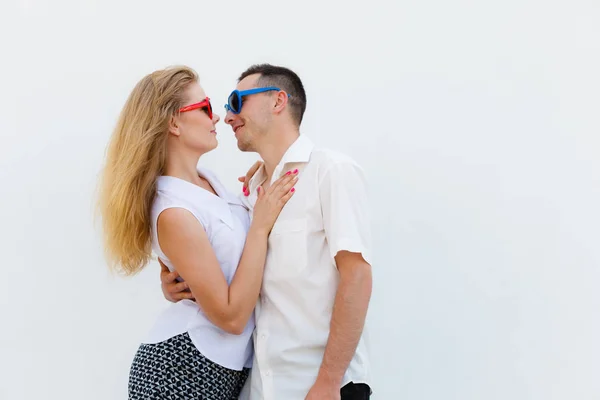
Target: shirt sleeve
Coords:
[[345, 207]]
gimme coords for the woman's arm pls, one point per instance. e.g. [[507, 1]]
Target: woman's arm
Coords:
[[185, 242]]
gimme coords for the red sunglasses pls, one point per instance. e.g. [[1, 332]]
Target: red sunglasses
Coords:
[[204, 104]]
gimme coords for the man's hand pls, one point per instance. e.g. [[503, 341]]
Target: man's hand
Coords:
[[324, 389], [246, 179], [173, 290]]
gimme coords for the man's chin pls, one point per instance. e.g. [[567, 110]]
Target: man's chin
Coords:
[[243, 147]]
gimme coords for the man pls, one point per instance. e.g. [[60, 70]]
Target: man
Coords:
[[309, 340]]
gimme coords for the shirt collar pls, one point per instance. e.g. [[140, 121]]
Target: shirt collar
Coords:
[[223, 193], [298, 152], [202, 198]]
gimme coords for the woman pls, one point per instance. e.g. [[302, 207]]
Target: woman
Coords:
[[154, 198]]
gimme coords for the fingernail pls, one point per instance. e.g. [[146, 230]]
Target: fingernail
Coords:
[[296, 171], [258, 190], [289, 172], [293, 190]]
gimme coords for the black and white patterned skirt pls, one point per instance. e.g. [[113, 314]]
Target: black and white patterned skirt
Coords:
[[175, 369]]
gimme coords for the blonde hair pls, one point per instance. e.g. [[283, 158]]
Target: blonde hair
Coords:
[[135, 157]]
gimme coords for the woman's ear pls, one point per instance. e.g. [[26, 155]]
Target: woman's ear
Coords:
[[174, 126]]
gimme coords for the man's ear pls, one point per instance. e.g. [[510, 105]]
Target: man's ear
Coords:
[[174, 126], [281, 101]]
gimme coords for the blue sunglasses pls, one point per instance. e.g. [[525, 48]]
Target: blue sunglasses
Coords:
[[234, 101]]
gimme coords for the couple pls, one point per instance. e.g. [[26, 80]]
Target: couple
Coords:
[[270, 289]]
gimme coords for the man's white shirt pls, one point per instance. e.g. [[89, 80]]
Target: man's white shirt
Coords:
[[328, 213]]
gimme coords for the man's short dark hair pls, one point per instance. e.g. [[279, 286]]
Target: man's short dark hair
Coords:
[[285, 79]]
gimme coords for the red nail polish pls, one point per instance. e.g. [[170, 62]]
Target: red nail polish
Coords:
[[289, 172], [296, 171], [293, 190]]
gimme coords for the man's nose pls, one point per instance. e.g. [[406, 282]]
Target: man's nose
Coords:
[[229, 117]]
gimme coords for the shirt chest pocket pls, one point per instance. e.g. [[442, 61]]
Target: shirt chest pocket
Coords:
[[287, 248]]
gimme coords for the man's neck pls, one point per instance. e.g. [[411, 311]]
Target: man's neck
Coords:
[[272, 151]]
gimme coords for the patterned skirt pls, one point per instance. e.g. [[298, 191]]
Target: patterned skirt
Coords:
[[175, 369]]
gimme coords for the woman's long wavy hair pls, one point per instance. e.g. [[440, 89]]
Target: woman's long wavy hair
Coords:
[[135, 158]]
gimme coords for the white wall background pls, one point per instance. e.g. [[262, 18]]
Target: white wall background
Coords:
[[478, 123]]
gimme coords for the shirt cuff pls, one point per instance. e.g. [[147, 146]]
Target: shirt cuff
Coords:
[[346, 244]]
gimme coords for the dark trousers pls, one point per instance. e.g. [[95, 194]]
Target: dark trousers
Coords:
[[355, 391]]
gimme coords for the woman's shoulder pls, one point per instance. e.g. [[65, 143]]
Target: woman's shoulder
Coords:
[[168, 199]]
